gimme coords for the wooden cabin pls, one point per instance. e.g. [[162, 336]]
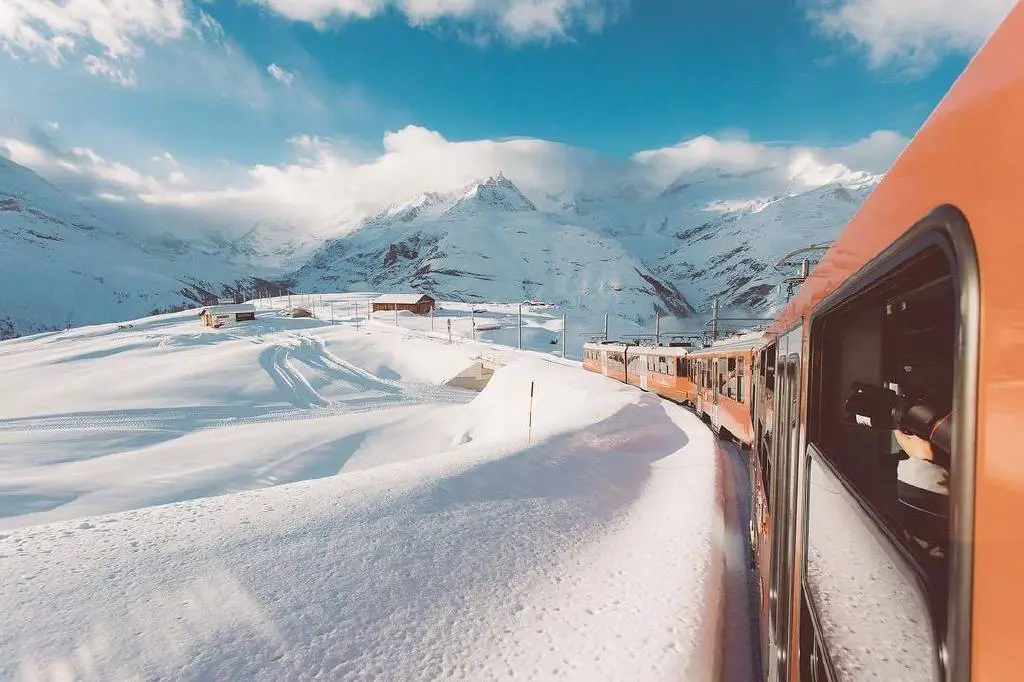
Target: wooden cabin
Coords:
[[218, 315], [421, 304]]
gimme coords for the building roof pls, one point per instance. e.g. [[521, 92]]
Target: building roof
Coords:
[[409, 299], [228, 309]]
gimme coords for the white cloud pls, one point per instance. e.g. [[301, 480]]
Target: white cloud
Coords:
[[280, 74], [911, 33], [53, 125], [84, 163], [777, 167], [104, 33], [515, 19], [98, 66], [165, 157], [329, 180]]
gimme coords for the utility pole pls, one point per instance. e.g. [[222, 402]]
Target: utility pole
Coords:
[[449, 330], [472, 319], [714, 320], [520, 326], [396, 314], [657, 328], [606, 326], [563, 335]]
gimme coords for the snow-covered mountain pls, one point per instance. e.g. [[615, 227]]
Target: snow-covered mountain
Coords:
[[60, 265], [490, 242], [628, 249]]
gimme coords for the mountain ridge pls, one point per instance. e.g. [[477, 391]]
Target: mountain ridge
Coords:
[[624, 249]]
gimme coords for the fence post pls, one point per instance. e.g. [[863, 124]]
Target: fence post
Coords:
[[529, 423]]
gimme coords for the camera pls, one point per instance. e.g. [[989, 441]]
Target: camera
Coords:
[[881, 408]]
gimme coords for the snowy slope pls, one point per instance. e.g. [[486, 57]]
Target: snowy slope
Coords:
[[366, 522], [490, 243]]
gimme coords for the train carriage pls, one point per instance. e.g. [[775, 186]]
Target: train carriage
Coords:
[[662, 369], [722, 375]]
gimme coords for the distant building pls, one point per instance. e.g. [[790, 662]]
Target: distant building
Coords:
[[421, 304], [218, 315]]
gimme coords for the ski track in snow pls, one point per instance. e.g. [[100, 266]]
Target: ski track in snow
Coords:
[[118, 441]]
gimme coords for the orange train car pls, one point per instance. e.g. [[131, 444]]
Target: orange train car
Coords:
[[661, 369], [868, 571], [723, 374], [872, 564]]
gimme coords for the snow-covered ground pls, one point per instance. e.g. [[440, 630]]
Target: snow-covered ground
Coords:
[[491, 322], [377, 523]]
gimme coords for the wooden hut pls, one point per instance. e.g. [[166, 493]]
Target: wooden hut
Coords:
[[421, 304], [219, 315]]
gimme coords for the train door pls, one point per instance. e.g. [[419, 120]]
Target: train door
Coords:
[[644, 369], [604, 362], [761, 486], [718, 377], [782, 504], [698, 394]]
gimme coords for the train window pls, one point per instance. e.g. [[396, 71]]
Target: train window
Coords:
[[682, 370], [878, 515]]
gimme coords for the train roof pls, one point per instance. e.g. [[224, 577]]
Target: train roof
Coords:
[[738, 342], [674, 351], [636, 349]]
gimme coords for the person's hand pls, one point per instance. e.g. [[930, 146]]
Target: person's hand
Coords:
[[914, 446]]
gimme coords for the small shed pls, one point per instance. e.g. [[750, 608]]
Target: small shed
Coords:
[[219, 315], [421, 304]]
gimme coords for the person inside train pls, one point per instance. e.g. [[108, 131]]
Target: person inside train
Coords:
[[922, 432]]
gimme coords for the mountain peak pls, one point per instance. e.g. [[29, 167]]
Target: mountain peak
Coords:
[[499, 192]]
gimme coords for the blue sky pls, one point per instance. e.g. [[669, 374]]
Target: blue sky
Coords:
[[615, 76], [665, 71]]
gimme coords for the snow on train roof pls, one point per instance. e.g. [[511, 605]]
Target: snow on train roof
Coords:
[[634, 349], [740, 341], [662, 350]]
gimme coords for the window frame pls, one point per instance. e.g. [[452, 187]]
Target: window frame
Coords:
[[947, 228]]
